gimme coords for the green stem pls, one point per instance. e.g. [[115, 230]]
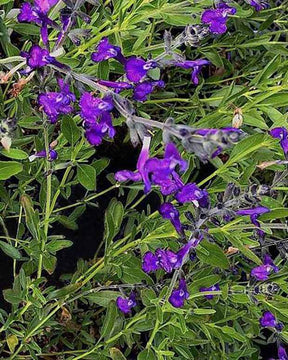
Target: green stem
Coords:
[[48, 202]]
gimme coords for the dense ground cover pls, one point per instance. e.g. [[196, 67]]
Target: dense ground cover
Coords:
[[143, 179]]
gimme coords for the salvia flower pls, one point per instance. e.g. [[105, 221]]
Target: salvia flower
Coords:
[[142, 90], [179, 295], [136, 68], [105, 51], [268, 320], [42, 154], [192, 193], [282, 134], [38, 14], [282, 354], [168, 211], [262, 272], [259, 4], [165, 259], [196, 65], [125, 305], [215, 287], [156, 171], [217, 18], [56, 103], [38, 57], [97, 119], [254, 213], [150, 262]]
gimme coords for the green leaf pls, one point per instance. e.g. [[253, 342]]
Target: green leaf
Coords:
[[237, 243], [109, 321], [10, 250], [116, 354], [70, 130], [9, 168], [215, 256], [86, 174], [103, 298], [12, 342], [146, 354], [56, 245], [204, 311], [15, 154], [66, 290]]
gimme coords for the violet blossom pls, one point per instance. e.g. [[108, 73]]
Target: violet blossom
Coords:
[[215, 287], [192, 193], [254, 213], [282, 354], [259, 4], [97, 118], [196, 65], [179, 295], [262, 272], [38, 57], [105, 51], [165, 259], [217, 18], [42, 154], [150, 262], [282, 134], [38, 15], [142, 90], [136, 68], [156, 171], [168, 211], [126, 305], [269, 320], [56, 103]]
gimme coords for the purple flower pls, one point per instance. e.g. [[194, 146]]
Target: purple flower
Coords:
[[125, 175], [282, 353], [156, 171], [196, 65], [57, 103], [254, 213], [137, 68], [142, 90], [282, 134], [38, 15], [166, 259], [162, 172], [268, 320], [42, 154], [259, 4], [96, 116], [262, 272], [168, 211], [125, 305], [150, 262], [92, 107], [95, 132], [217, 18], [192, 193], [179, 295], [215, 287], [38, 57], [105, 51]]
